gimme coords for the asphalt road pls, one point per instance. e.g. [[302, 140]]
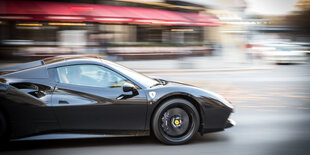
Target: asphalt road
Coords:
[[272, 111]]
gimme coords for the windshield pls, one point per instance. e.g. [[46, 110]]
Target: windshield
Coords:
[[142, 79]]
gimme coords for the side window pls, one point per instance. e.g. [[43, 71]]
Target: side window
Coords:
[[90, 75]]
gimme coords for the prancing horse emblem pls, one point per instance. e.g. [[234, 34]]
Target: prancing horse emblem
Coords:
[[152, 94]]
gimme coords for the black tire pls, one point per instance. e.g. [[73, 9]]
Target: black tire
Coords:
[[176, 121], [3, 130]]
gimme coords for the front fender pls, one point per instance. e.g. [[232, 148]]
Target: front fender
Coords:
[[207, 102]]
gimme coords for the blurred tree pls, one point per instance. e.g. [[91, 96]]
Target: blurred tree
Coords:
[[300, 21]]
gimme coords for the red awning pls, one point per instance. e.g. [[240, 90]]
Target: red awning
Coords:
[[58, 11], [201, 19]]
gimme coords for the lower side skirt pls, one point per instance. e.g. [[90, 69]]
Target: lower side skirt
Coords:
[[55, 136]]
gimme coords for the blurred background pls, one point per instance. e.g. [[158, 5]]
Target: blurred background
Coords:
[[235, 30], [253, 52]]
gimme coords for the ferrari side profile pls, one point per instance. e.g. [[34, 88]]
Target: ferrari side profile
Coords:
[[88, 95]]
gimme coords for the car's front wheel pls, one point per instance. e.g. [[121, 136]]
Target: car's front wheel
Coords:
[[176, 121]]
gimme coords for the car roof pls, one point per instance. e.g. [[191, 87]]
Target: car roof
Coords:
[[59, 60], [63, 58]]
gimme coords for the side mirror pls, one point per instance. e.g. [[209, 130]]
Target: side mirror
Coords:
[[127, 87]]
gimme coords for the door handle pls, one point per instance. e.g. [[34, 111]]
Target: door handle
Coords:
[[63, 102]]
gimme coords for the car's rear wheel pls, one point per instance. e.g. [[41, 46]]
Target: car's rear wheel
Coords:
[[3, 129], [176, 121]]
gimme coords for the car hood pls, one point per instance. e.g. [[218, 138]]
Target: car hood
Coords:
[[170, 87]]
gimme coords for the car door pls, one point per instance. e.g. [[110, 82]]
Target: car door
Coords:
[[88, 97]]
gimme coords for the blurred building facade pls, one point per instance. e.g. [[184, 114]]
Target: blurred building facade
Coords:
[[43, 28]]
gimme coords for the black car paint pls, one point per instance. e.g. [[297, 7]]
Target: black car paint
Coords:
[[35, 103], [212, 112], [98, 108]]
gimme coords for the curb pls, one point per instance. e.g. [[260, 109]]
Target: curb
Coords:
[[201, 70]]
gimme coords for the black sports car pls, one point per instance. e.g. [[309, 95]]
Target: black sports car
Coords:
[[90, 95]]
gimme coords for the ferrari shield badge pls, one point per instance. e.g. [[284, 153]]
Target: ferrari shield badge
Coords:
[[152, 94]]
